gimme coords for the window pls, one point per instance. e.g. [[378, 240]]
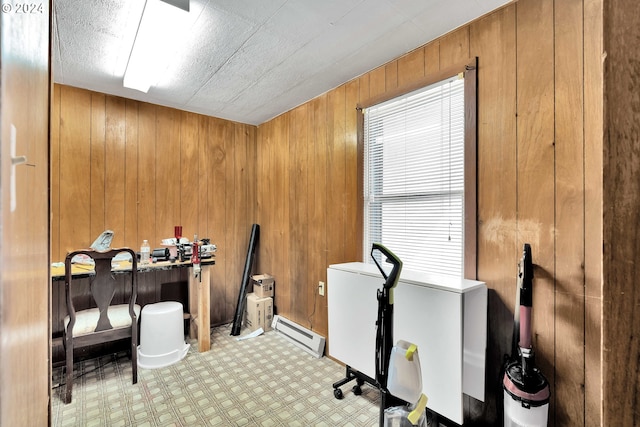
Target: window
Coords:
[[419, 197]]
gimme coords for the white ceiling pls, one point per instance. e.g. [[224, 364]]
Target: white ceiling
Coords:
[[250, 60]]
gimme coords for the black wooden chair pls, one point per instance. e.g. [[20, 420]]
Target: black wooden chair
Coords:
[[110, 319]]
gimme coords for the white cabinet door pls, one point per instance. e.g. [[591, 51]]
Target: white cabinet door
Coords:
[[352, 311], [432, 319]]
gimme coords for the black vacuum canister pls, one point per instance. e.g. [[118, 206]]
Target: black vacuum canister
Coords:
[[531, 390]]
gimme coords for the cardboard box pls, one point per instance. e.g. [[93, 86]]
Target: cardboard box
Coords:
[[252, 312], [263, 285], [268, 313], [258, 312]]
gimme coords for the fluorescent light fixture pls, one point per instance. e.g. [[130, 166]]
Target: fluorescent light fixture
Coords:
[[161, 28]]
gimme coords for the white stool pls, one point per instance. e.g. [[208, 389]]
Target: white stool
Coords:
[[161, 335]]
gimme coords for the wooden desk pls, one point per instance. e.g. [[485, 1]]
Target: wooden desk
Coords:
[[199, 291]]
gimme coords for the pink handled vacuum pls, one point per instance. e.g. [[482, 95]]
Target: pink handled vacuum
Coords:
[[526, 390]]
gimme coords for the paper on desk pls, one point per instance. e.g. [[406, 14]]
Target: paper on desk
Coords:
[[122, 256], [253, 334], [82, 259]]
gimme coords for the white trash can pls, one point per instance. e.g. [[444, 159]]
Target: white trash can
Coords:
[[161, 335]]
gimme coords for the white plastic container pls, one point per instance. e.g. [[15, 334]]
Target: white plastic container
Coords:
[[405, 382], [405, 375], [161, 335], [518, 415], [398, 416]]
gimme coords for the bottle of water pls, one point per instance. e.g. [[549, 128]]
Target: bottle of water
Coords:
[[145, 253]]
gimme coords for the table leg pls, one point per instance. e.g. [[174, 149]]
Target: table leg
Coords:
[[199, 303]]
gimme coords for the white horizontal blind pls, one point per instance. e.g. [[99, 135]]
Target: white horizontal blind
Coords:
[[414, 177]]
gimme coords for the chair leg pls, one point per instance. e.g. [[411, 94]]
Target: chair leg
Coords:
[[69, 369], [134, 355]]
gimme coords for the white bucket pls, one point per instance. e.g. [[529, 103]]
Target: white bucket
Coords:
[[161, 335]]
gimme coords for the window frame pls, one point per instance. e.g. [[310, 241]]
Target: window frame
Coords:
[[469, 69]]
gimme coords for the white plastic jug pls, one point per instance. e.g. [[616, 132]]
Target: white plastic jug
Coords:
[[405, 375]]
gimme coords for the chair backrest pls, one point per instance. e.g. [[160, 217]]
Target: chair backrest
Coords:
[[103, 284]]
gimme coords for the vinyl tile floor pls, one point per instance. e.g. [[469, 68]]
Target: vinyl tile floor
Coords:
[[261, 381]]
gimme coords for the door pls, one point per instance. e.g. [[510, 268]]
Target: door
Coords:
[[25, 368]]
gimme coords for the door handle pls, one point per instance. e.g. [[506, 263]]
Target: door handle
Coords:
[[18, 160]]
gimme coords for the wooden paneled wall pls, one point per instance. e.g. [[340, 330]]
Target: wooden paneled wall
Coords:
[[539, 181], [621, 189], [139, 169]]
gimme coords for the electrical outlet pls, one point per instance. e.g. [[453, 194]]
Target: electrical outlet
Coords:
[[321, 288]]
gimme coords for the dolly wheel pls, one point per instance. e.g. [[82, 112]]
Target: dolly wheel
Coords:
[[338, 393], [357, 390]]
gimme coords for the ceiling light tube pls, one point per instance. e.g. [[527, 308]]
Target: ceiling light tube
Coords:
[[161, 28]]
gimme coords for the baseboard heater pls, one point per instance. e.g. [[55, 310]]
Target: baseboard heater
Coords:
[[299, 336]]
